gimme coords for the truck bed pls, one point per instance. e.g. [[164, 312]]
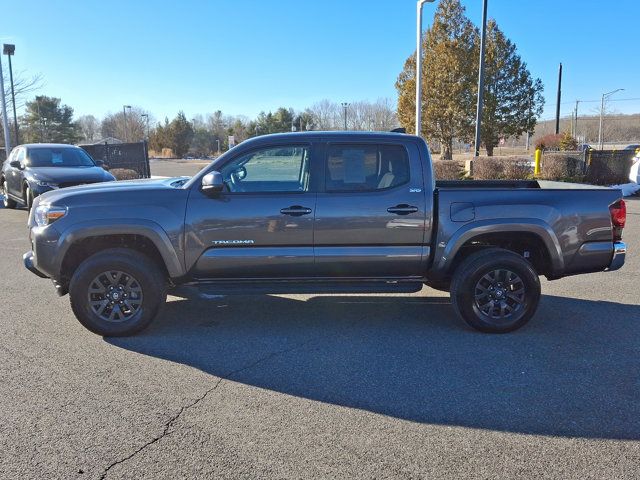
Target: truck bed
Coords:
[[515, 184]]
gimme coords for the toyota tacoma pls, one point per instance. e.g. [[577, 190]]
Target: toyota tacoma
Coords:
[[314, 212]]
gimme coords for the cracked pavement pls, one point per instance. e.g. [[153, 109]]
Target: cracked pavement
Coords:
[[360, 386]]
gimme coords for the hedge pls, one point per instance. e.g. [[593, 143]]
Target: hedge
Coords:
[[448, 169], [124, 174], [562, 166], [502, 168]]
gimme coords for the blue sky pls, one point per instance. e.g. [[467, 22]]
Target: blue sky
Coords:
[[244, 56]]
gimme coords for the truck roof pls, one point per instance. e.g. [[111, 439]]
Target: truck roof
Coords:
[[336, 135]]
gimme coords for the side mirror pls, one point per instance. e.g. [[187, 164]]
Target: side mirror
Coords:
[[16, 164], [212, 183]]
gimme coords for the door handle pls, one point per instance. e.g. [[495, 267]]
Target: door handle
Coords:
[[402, 209], [295, 211]]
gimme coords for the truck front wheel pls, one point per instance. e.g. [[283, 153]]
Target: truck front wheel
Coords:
[[495, 291], [117, 292]]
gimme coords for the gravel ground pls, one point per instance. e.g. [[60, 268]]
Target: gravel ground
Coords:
[[359, 386]]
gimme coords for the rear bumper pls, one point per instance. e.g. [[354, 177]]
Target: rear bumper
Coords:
[[619, 253], [28, 259]]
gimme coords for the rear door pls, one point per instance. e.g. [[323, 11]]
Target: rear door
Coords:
[[261, 226], [371, 217]]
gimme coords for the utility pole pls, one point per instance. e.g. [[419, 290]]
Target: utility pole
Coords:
[[483, 39], [124, 115], [9, 49], [559, 99], [575, 125], [419, 67], [600, 130], [5, 120], [345, 105]]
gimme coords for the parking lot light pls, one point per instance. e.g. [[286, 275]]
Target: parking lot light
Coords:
[[419, 67]]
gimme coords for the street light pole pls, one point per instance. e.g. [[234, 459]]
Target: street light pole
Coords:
[[419, 66], [5, 122], [600, 132], [124, 114], [345, 105], [146, 117], [483, 38], [9, 49]]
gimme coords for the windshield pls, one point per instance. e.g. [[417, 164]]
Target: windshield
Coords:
[[59, 157]]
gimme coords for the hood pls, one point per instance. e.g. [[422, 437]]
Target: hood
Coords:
[[111, 188], [68, 174]]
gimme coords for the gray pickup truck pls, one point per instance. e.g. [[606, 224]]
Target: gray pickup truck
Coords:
[[335, 212]]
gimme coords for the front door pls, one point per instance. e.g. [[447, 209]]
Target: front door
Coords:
[[261, 225], [14, 174], [371, 219]]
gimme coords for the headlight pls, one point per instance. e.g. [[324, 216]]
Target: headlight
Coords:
[[47, 184], [47, 214]]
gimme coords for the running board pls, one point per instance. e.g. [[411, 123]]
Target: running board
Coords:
[[300, 287]]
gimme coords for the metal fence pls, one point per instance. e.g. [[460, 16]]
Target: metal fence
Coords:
[[606, 167], [127, 156]]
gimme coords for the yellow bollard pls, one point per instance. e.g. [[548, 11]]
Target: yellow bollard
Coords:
[[537, 157]]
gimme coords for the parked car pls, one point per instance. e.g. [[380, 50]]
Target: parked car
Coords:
[[635, 148], [33, 169], [334, 212]]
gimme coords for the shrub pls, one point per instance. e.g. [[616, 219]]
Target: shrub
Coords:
[[124, 174], [502, 168], [549, 142], [448, 169], [568, 143], [561, 166]]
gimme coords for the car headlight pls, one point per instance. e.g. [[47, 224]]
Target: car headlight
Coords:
[[47, 184], [47, 214]]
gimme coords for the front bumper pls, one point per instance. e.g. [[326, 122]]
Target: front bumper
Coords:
[[619, 253], [28, 259]]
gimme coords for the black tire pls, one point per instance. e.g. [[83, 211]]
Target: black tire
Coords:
[[489, 282], [28, 197], [146, 274], [6, 201]]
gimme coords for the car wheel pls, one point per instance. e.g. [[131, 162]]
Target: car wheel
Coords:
[[495, 291], [117, 292], [28, 197], [6, 201]]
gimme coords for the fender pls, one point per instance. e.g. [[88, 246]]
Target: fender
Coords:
[[123, 226], [445, 253]]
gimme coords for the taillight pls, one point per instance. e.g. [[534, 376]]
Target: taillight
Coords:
[[618, 218]]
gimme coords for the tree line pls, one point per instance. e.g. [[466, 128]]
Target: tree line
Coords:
[[47, 119]]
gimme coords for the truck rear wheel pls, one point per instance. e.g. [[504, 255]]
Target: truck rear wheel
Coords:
[[495, 291], [117, 292]]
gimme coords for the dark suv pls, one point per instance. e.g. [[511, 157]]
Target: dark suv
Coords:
[[34, 169]]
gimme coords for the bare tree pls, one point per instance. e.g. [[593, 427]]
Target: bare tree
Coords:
[[132, 128], [90, 128], [23, 87]]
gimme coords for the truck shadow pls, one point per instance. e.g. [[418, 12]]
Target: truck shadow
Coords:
[[573, 371]]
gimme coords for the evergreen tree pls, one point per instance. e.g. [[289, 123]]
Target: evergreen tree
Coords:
[[181, 133], [449, 75], [512, 99], [47, 120]]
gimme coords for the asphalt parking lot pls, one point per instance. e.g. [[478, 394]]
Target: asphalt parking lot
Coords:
[[362, 386]]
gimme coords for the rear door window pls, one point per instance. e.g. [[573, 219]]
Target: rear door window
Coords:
[[366, 168]]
